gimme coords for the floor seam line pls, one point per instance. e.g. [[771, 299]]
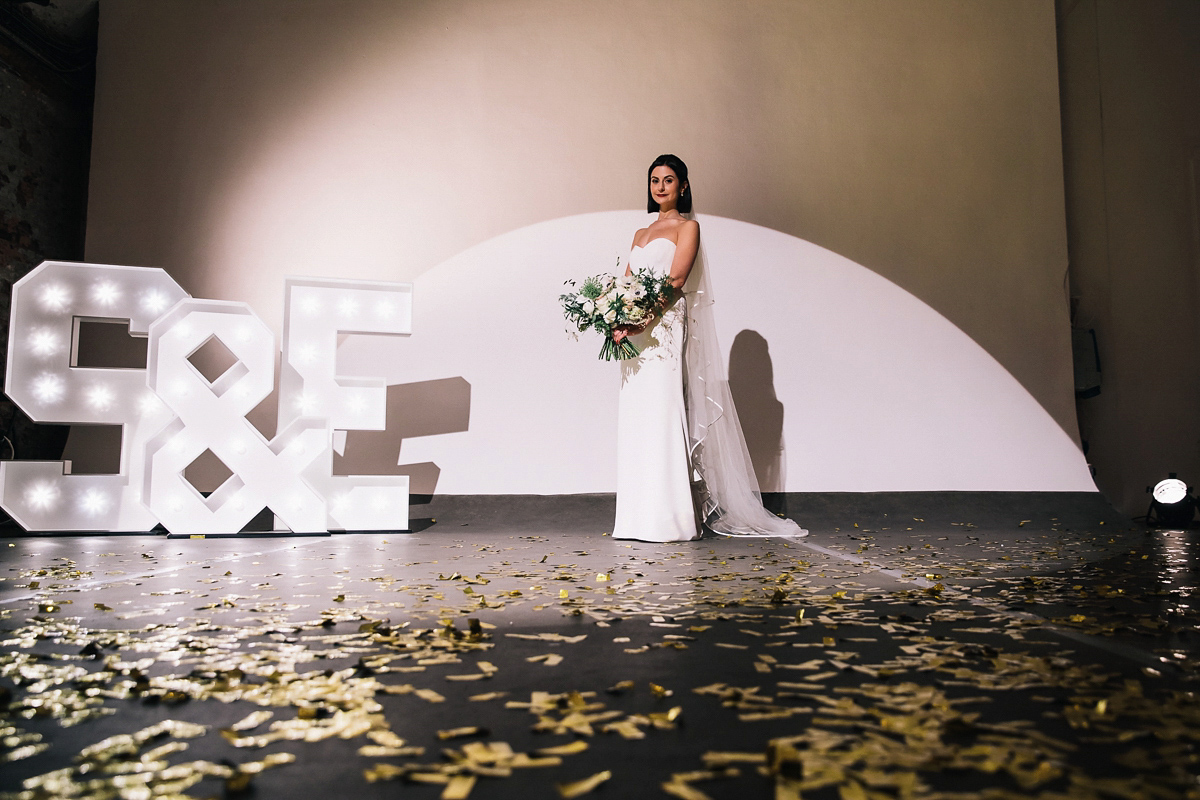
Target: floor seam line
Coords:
[[1116, 648], [152, 573]]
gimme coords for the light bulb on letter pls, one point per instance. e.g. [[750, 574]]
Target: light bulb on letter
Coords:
[[94, 502], [48, 388], [105, 293], [55, 297], [41, 496], [306, 404], [154, 302], [100, 398], [149, 403], [43, 343]]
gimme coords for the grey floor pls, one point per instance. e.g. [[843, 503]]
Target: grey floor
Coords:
[[912, 645]]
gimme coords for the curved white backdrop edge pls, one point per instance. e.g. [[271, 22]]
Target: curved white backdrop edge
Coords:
[[878, 391]]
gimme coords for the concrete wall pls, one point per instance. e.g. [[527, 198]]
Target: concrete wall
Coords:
[[45, 138], [1131, 121]]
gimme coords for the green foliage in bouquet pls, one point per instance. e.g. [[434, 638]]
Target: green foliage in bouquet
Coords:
[[605, 302]]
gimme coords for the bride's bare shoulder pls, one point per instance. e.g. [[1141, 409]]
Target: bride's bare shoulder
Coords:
[[689, 226], [639, 234]]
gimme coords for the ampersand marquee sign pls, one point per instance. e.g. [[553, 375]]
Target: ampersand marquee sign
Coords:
[[171, 414]]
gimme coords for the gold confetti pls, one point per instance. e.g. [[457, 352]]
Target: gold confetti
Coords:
[[549, 660], [718, 759], [458, 733], [569, 749], [459, 787], [874, 722], [582, 787], [682, 790], [252, 720]]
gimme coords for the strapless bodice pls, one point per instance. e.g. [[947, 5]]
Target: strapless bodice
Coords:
[[653, 255]]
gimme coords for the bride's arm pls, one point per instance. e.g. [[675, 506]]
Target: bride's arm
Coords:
[[686, 247]]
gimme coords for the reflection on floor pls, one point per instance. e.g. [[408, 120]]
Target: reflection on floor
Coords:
[[889, 655]]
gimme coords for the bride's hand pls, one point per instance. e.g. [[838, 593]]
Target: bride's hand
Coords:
[[622, 331], [667, 299]]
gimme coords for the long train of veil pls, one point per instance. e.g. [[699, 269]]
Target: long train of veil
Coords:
[[729, 497]]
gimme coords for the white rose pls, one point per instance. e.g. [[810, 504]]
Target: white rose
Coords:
[[589, 307], [610, 316]]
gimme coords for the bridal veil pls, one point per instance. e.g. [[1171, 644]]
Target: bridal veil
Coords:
[[728, 498]]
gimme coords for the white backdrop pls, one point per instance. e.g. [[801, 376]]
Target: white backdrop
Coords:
[[236, 143], [878, 392]]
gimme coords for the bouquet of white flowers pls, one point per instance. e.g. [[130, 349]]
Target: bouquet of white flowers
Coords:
[[606, 301]]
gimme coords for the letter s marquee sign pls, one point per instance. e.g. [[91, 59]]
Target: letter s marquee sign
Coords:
[[171, 414]]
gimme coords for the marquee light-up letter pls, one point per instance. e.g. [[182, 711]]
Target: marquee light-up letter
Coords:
[[316, 311], [171, 413], [211, 416], [42, 381]]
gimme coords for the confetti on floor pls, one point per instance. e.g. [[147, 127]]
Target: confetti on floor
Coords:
[[910, 659]]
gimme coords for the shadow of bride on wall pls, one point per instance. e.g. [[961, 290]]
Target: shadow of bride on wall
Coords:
[[752, 384]]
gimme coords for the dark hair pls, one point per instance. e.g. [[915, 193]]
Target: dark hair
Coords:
[[680, 169]]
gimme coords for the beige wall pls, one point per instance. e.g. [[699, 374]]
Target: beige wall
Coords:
[[237, 142], [1131, 100]]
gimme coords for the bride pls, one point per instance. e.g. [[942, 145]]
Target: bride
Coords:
[[682, 463]]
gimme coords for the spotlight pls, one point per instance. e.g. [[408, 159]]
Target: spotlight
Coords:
[[1171, 504]]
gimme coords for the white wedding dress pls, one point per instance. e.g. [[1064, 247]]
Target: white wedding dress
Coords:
[[654, 473], [682, 461]]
